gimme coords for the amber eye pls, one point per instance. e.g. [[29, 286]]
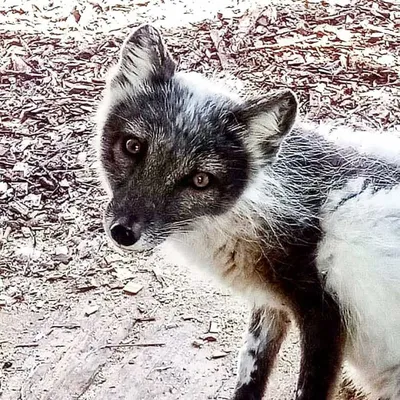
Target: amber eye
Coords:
[[201, 180], [133, 146]]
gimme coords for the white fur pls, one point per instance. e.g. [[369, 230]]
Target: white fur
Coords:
[[256, 343], [263, 126], [247, 363], [384, 145], [202, 248], [137, 68], [206, 87], [360, 255], [201, 90]]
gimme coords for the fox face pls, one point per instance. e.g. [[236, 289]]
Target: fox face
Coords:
[[173, 149]]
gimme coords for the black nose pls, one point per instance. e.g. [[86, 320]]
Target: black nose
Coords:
[[123, 235]]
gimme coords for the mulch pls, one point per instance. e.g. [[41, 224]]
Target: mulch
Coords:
[[342, 61]]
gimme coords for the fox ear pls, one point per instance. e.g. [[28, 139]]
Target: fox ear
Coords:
[[144, 57], [268, 120]]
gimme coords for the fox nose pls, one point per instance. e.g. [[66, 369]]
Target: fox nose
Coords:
[[125, 236]]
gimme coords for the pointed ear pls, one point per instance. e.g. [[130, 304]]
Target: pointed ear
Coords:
[[144, 57], [268, 120]]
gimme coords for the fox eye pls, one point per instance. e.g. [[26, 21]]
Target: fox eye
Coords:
[[201, 180], [133, 146]]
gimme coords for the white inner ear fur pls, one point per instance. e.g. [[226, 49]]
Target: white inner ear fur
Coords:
[[266, 123], [135, 64], [264, 128]]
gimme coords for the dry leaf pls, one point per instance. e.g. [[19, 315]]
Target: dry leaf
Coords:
[[76, 14]]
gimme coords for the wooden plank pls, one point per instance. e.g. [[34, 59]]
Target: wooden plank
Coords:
[[175, 371], [74, 372]]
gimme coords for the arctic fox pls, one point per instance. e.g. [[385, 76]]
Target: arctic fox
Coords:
[[304, 225]]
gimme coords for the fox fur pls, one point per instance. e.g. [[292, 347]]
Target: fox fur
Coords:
[[304, 221]]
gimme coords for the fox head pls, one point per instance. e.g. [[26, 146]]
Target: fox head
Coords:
[[173, 148]]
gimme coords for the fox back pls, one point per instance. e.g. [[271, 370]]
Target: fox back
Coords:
[[305, 226]]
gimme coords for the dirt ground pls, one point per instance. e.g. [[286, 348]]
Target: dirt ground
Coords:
[[70, 327]]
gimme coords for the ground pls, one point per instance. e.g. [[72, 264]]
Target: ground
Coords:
[[70, 328]]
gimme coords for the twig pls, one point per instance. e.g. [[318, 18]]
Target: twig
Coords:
[[66, 326], [28, 75], [382, 30], [27, 345], [218, 42], [145, 319], [162, 368], [111, 346]]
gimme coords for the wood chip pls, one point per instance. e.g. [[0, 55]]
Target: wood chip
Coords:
[[132, 288], [218, 354], [124, 273], [213, 327]]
